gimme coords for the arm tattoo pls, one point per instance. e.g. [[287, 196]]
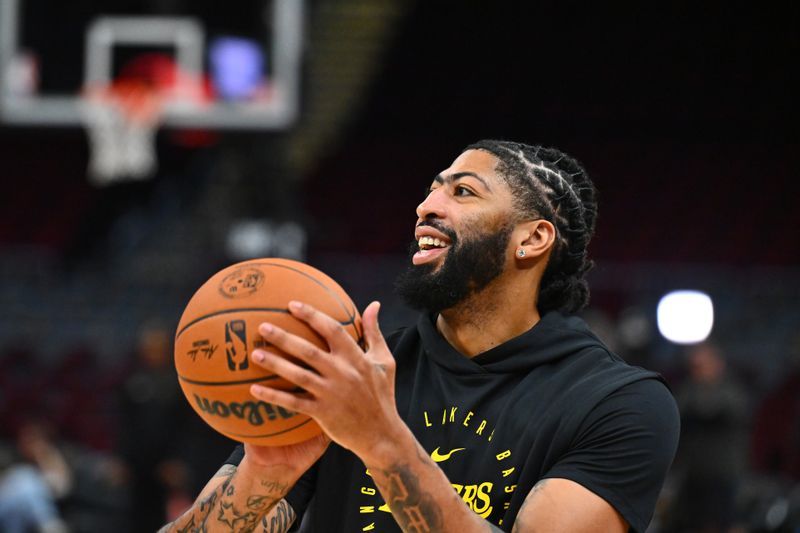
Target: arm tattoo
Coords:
[[188, 522], [413, 510], [519, 525], [280, 519], [190, 527], [259, 503], [536, 488], [274, 486], [243, 520], [208, 503], [236, 511]]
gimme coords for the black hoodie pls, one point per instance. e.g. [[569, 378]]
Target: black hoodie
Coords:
[[551, 403]]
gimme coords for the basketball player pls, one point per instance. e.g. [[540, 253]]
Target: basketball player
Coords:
[[498, 411]]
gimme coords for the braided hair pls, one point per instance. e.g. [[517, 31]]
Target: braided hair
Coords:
[[547, 183]]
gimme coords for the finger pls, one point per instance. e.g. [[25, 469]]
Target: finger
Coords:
[[330, 330], [376, 343], [285, 399], [302, 377], [299, 347]]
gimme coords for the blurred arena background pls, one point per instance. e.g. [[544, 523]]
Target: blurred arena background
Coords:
[[309, 130]]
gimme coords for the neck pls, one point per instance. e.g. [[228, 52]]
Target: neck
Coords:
[[496, 314]]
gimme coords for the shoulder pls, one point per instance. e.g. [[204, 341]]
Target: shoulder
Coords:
[[637, 426], [593, 374], [631, 398], [647, 403], [624, 447]]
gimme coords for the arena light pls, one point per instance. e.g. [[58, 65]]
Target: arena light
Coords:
[[685, 317]]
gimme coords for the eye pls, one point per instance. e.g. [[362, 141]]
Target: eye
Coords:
[[460, 190]]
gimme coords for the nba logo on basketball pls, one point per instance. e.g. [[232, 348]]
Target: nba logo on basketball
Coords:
[[236, 344]]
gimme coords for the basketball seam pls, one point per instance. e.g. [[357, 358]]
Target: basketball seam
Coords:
[[247, 309], [352, 313], [230, 433], [218, 383]]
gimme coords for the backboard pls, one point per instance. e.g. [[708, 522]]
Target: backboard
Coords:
[[245, 54]]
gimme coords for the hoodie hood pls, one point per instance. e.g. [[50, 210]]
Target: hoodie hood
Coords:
[[551, 339]]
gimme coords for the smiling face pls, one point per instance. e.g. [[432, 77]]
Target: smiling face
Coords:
[[468, 196], [462, 234]]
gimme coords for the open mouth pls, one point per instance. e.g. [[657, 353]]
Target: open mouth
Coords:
[[428, 243], [429, 249]]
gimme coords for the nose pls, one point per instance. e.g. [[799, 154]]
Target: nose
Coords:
[[433, 206]]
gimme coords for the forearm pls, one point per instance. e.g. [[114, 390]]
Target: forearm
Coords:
[[279, 519], [419, 495], [196, 515], [245, 499]]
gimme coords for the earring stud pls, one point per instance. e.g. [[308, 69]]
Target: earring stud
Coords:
[[521, 252]]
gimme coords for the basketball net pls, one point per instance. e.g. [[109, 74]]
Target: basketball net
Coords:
[[121, 120]]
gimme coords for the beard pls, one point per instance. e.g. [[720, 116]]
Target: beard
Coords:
[[470, 265]]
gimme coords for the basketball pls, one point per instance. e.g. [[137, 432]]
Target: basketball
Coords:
[[219, 330]]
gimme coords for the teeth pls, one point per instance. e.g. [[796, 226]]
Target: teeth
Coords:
[[431, 241]]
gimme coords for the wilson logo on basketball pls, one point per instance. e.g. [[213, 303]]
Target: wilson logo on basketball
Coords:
[[255, 412]]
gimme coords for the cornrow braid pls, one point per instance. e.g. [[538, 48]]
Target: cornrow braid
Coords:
[[547, 183]]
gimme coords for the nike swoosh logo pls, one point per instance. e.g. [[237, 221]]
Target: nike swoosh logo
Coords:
[[442, 457]]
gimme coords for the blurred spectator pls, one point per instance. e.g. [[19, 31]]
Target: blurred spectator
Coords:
[[152, 419], [21, 388], [775, 454], [711, 459], [77, 394], [100, 496], [776, 430], [32, 485]]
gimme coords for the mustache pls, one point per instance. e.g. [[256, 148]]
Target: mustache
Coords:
[[438, 226]]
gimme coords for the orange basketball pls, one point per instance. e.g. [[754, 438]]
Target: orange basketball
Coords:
[[219, 330]]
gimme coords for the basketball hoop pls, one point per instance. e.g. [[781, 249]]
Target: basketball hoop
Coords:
[[121, 120]]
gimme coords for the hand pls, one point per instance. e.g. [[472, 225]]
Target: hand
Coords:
[[349, 393], [274, 470], [294, 457]]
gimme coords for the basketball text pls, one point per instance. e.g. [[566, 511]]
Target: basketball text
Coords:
[[255, 412]]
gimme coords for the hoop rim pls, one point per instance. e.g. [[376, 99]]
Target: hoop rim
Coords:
[[137, 101]]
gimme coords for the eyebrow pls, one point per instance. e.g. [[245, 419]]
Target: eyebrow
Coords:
[[458, 175]]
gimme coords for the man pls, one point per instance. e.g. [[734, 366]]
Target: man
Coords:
[[497, 412], [712, 458]]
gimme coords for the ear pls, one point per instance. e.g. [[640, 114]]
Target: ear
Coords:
[[534, 239]]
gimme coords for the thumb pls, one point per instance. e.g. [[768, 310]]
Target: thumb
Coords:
[[372, 331]]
